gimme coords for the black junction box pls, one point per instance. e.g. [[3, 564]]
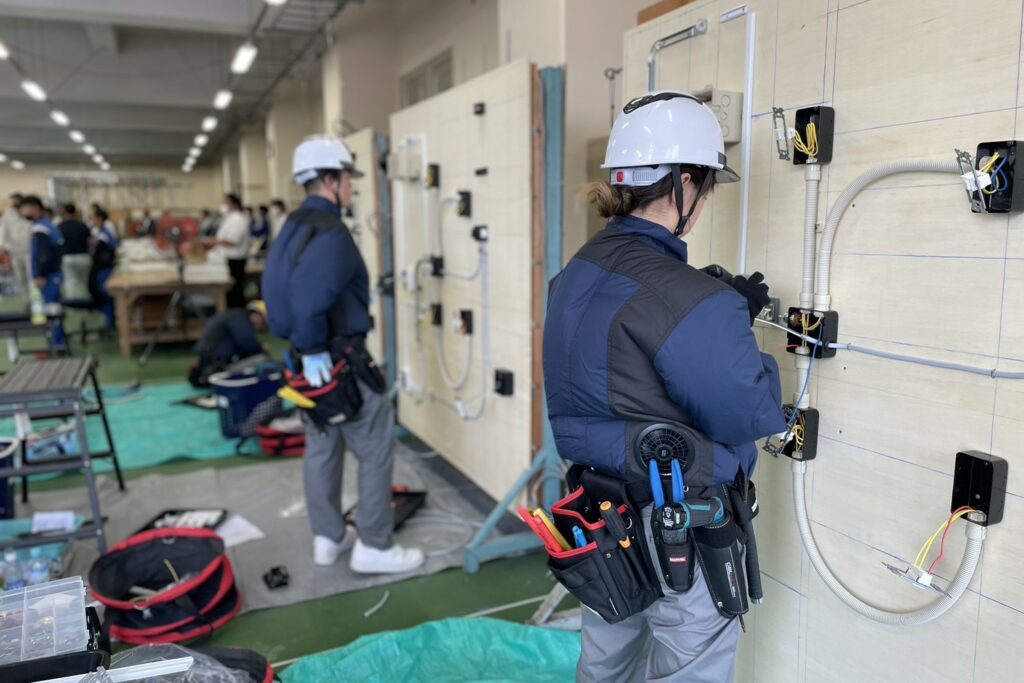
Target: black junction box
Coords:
[[480, 233], [1008, 198], [827, 332], [465, 203], [433, 178], [466, 316], [482, 171], [979, 481], [824, 120], [504, 382], [436, 315], [437, 266], [808, 419], [479, 108]]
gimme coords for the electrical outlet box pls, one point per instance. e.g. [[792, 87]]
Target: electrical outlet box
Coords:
[[979, 481], [479, 109], [807, 421], [437, 266], [824, 120], [504, 382], [465, 207], [433, 176], [1006, 196], [436, 315], [482, 171], [727, 106], [466, 318], [825, 330], [480, 233]]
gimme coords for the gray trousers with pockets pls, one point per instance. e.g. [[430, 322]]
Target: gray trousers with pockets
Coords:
[[681, 637], [371, 437]]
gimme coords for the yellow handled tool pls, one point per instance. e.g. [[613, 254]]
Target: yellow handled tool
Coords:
[[539, 513], [289, 394]]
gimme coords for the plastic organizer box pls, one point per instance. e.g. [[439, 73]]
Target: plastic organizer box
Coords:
[[43, 620]]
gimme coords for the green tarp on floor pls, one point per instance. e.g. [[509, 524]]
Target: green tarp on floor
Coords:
[[156, 429], [449, 651]]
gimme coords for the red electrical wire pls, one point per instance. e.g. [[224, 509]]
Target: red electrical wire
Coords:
[[945, 535]]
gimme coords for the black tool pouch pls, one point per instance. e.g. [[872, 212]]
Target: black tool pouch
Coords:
[[364, 367], [719, 549], [337, 402], [614, 581], [675, 552]]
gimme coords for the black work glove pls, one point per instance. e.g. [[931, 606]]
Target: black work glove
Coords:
[[754, 290]]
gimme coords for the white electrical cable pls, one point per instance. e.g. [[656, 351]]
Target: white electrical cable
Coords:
[[822, 298], [442, 364], [931, 611]]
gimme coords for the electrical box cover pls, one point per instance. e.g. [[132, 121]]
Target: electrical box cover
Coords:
[[979, 481], [824, 120], [728, 108]]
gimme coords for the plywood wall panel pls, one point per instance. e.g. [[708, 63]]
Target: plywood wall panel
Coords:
[[494, 450], [914, 272]]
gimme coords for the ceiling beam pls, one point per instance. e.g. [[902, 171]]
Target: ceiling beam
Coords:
[[204, 16], [102, 37]]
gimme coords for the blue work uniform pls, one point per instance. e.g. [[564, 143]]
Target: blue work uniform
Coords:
[[228, 337], [636, 337], [315, 284], [46, 256], [104, 254]]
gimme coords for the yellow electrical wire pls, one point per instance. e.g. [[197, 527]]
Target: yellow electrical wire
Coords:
[[810, 148], [991, 163], [926, 549]]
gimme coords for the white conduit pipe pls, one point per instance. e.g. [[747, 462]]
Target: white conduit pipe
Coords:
[[747, 134], [822, 298], [443, 364], [812, 179], [931, 611]]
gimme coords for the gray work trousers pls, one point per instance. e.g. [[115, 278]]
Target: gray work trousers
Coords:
[[371, 437], [681, 637]]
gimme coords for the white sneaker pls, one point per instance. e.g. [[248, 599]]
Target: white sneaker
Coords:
[[394, 560], [326, 552]]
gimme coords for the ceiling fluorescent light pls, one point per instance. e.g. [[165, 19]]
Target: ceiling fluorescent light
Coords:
[[195, 151], [276, 3], [88, 149], [245, 55], [209, 124], [97, 159], [76, 136], [33, 90], [201, 140], [59, 117], [4, 52], [3, 158], [222, 99], [18, 165], [105, 166]]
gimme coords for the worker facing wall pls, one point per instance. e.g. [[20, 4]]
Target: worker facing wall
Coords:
[[912, 265]]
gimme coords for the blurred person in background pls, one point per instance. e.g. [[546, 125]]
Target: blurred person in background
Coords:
[[15, 238], [104, 255]]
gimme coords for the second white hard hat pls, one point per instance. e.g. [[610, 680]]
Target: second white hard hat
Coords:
[[664, 129], [321, 152]]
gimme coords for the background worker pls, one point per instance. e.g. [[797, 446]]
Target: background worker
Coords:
[[104, 256], [232, 244], [317, 291], [679, 349], [278, 215], [15, 238], [46, 256], [76, 234], [77, 262], [227, 338]]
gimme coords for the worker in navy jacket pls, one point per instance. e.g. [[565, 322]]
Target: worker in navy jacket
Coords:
[[317, 293], [104, 258], [635, 335], [46, 256]]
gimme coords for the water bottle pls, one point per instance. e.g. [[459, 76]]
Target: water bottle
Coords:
[[12, 571], [38, 570], [38, 309]]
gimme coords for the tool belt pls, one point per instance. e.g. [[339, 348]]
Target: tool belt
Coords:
[[364, 367], [711, 526], [336, 402], [605, 566]]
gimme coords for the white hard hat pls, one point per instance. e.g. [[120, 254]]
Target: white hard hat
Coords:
[[319, 152], [664, 129]]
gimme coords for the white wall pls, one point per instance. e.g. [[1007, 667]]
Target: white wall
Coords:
[[468, 27], [295, 113], [252, 161], [913, 271], [535, 30]]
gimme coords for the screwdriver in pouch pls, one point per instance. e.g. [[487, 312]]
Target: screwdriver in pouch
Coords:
[[617, 528]]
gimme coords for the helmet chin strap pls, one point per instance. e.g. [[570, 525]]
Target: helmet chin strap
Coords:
[[677, 190]]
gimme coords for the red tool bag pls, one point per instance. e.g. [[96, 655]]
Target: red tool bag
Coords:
[[283, 435], [166, 586]]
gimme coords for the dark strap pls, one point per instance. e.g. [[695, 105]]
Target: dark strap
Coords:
[[319, 222]]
